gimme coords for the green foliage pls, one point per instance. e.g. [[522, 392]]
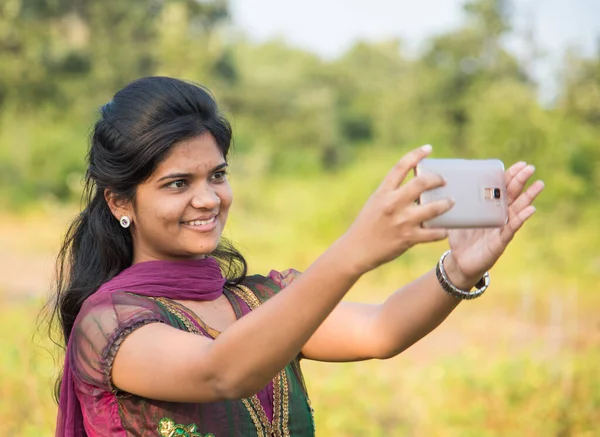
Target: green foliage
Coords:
[[293, 112]]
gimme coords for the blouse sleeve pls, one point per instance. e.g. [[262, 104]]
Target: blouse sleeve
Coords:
[[284, 278], [100, 328], [265, 287]]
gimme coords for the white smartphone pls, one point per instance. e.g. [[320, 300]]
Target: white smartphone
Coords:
[[477, 187]]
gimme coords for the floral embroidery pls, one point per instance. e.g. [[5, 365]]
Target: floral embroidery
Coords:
[[168, 428]]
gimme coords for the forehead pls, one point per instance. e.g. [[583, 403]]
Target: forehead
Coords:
[[200, 153]]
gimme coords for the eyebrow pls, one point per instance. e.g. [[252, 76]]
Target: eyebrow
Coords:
[[189, 175]]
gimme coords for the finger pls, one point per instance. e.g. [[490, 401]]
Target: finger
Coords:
[[508, 232], [427, 235], [513, 170], [526, 198], [409, 161], [516, 185], [423, 213], [415, 187]]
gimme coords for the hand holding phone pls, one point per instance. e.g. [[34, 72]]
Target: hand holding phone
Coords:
[[477, 187]]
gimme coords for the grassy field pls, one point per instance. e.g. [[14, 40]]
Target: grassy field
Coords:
[[522, 361]]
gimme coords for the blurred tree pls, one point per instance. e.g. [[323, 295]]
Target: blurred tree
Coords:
[[581, 94], [362, 78], [59, 58], [580, 105], [466, 60], [284, 97], [46, 46]]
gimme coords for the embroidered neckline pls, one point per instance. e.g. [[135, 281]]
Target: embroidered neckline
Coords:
[[278, 427], [212, 332]]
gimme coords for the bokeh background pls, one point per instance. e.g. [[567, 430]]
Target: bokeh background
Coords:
[[324, 97]]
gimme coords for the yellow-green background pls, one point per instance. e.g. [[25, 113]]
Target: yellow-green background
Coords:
[[313, 138]]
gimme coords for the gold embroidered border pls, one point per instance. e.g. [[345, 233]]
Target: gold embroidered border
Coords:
[[247, 296], [300, 376], [177, 313], [279, 427], [254, 417], [252, 404], [285, 406]]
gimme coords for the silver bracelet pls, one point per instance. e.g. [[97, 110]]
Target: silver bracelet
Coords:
[[452, 289]]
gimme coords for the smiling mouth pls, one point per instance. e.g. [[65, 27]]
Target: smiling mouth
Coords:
[[201, 222]]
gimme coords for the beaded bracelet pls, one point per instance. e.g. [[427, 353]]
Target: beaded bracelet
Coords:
[[453, 290]]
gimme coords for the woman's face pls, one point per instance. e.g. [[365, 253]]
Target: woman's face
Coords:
[[181, 210]]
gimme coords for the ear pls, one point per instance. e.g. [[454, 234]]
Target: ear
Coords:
[[118, 206]]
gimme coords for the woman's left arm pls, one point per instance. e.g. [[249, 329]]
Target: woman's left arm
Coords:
[[354, 332]]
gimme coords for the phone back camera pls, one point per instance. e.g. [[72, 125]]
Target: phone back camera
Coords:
[[497, 193]]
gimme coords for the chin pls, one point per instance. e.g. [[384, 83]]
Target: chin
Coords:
[[198, 244], [205, 249]]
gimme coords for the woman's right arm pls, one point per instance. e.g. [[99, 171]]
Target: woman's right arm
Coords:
[[160, 362]]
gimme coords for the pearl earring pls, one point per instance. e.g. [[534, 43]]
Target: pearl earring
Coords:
[[125, 221]]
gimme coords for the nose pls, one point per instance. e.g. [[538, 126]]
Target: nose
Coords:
[[205, 198]]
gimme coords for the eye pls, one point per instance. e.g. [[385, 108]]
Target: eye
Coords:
[[179, 183], [219, 176]]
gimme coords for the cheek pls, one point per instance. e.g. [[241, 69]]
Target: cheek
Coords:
[[159, 214], [226, 196]]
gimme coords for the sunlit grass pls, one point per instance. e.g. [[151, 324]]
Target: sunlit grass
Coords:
[[465, 395], [27, 371]]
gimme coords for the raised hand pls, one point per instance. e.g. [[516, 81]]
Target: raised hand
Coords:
[[474, 251], [390, 222]]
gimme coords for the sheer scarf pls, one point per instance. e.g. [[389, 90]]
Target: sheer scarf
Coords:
[[199, 279]]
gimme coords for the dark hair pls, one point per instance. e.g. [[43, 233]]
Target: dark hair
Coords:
[[135, 132]]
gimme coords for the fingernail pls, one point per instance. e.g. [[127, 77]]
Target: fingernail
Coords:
[[427, 148], [532, 167]]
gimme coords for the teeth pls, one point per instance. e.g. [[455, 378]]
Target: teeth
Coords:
[[200, 222]]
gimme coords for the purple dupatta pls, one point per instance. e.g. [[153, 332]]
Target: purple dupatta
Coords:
[[199, 279]]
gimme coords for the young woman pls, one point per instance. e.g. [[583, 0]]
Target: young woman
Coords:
[[166, 334]]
